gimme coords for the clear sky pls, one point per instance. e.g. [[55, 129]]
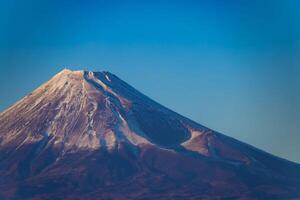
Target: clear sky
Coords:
[[232, 65]]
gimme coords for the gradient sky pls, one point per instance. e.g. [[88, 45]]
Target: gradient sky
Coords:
[[231, 65]]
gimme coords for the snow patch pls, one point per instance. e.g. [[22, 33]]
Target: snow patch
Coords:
[[106, 88], [110, 140], [197, 142], [107, 77]]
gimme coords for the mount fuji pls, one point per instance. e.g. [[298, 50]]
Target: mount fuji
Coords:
[[89, 135]]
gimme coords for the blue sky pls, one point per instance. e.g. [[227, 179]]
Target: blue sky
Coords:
[[230, 65]]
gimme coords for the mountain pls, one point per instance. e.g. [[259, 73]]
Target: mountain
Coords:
[[89, 135]]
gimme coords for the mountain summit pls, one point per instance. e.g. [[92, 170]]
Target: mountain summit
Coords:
[[90, 135]]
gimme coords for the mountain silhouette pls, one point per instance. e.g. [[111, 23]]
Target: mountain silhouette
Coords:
[[89, 135]]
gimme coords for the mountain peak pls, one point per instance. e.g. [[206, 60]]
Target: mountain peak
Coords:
[[93, 110], [75, 78], [66, 71], [90, 110]]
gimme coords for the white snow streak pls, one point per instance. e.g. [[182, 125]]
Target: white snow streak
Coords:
[[106, 76]]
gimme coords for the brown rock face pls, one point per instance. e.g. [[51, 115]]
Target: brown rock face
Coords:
[[89, 135]]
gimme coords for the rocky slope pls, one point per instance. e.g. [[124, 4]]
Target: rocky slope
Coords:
[[89, 135]]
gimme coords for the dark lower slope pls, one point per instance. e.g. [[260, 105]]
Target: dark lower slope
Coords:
[[140, 173]]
